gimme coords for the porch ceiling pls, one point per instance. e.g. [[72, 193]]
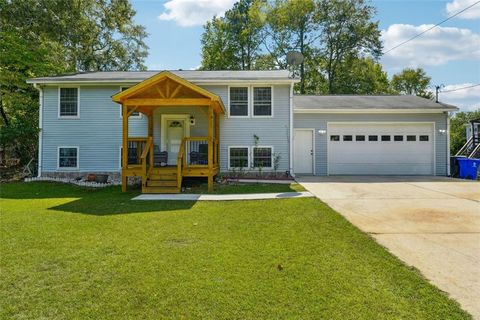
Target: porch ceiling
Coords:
[[167, 89]]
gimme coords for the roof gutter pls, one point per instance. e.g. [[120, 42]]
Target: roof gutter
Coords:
[[376, 110]]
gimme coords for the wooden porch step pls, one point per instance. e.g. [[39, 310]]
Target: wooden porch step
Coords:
[[161, 190], [161, 183], [164, 170], [163, 176]]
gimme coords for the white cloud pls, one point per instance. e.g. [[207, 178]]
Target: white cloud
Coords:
[[435, 47], [466, 99], [457, 5], [188, 13]]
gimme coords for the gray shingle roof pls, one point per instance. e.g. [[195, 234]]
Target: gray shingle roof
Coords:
[[191, 75], [307, 102]]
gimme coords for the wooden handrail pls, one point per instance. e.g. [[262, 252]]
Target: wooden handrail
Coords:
[[180, 160], [138, 139], [196, 138], [146, 148]]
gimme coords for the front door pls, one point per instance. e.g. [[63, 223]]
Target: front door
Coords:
[[174, 135], [303, 151]]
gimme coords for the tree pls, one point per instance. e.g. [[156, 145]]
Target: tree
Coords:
[[457, 129], [232, 42], [94, 34], [362, 76], [48, 37], [412, 82], [218, 51], [292, 27], [347, 33]]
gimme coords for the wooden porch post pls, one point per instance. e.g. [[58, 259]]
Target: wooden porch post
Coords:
[[150, 134], [124, 147], [217, 138], [210, 147]]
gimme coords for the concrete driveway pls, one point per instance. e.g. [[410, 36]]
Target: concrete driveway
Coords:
[[432, 223]]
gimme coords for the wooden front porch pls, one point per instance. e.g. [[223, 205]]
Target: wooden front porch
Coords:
[[159, 178], [196, 157]]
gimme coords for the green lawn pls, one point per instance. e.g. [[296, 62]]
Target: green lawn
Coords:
[[72, 253]]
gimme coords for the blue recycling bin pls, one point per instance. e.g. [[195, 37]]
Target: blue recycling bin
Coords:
[[468, 168]]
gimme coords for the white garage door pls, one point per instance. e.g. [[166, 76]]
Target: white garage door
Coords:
[[381, 148]]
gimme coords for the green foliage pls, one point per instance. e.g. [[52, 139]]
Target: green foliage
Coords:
[[329, 34], [362, 76], [232, 42], [347, 32], [458, 136], [412, 82], [48, 37]]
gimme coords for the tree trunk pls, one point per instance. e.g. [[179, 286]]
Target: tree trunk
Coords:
[[2, 112]]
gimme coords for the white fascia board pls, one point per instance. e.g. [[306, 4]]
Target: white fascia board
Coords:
[[440, 110]]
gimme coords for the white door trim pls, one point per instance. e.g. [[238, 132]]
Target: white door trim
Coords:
[[434, 136], [163, 127], [313, 147]]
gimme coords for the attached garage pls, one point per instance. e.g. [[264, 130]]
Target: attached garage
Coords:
[[380, 148], [370, 135]]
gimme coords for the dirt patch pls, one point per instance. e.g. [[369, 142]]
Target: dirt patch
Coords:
[[427, 215]]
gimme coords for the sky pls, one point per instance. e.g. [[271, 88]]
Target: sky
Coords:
[[450, 53]]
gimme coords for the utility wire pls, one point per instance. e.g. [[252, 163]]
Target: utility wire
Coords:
[[445, 20], [452, 90]]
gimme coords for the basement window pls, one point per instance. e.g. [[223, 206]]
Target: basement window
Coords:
[[262, 157], [238, 157]]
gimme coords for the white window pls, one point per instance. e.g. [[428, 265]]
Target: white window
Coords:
[[238, 157], [68, 157], [262, 102], [262, 157], [136, 114], [68, 102], [238, 101]]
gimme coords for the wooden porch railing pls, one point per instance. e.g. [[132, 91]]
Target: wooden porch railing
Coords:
[[196, 151], [180, 163], [148, 149]]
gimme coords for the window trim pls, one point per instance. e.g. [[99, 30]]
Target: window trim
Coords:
[[248, 157], [78, 102], [248, 101], [140, 115], [271, 156], [253, 100], [68, 168]]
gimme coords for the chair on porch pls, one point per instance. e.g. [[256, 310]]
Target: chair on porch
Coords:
[[160, 158], [200, 156]]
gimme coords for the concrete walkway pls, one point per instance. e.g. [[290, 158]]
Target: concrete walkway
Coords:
[[223, 197], [432, 223]]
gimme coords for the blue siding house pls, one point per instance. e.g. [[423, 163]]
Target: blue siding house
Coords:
[[164, 126]]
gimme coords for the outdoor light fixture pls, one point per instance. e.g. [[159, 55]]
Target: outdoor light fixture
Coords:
[[322, 132], [442, 131]]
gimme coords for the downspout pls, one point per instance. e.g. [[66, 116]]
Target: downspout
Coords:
[[291, 131], [40, 126], [448, 143]]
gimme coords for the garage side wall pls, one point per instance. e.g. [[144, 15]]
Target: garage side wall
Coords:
[[319, 122]]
